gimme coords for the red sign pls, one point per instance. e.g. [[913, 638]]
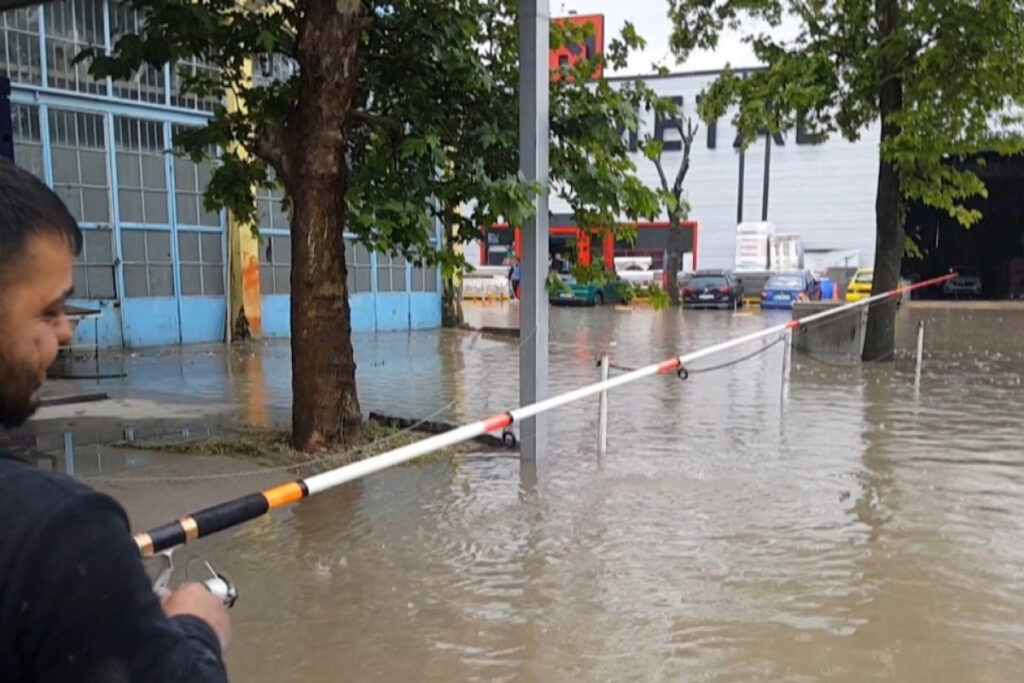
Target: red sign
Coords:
[[592, 46]]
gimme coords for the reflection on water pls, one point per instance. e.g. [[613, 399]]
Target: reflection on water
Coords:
[[854, 533]]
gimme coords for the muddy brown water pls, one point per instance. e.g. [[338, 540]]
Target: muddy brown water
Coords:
[[855, 531]]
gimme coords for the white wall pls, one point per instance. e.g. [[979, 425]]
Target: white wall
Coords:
[[825, 193]]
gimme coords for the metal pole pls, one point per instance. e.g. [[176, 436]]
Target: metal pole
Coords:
[[739, 192], [533, 153], [767, 175], [920, 354], [602, 414], [69, 453], [787, 350]]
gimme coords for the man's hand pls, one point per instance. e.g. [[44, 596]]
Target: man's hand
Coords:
[[196, 600]]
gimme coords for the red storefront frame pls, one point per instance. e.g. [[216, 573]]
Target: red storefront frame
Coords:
[[583, 245]]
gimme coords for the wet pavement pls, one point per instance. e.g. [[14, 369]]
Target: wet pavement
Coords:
[[855, 530]]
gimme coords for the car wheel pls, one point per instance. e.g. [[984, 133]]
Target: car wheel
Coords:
[[598, 299]]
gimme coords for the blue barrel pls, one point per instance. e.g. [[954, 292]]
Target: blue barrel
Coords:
[[828, 288]]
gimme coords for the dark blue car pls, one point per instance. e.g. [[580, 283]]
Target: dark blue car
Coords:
[[782, 289]]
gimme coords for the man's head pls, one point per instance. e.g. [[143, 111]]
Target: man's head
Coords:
[[39, 239]]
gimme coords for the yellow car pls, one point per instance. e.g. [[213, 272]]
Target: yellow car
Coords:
[[860, 286]]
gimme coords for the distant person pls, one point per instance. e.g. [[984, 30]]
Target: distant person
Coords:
[[76, 605], [558, 264], [515, 276]]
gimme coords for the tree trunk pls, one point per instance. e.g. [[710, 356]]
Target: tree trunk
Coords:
[[325, 406], [451, 305], [675, 258], [880, 336]]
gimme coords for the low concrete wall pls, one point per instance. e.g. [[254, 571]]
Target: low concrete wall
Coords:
[[841, 336], [485, 287]]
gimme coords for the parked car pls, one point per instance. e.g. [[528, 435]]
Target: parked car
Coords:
[[860, 286], [966, 283], [712, 289], [589, 294], [782, 289]]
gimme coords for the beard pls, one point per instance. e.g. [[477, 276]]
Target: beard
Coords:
[[18, 385]]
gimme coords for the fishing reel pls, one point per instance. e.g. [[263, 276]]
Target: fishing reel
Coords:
[[217, 583]]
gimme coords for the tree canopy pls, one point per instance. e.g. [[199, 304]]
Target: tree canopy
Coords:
[[944, 78], [435, 123], [378, 117]]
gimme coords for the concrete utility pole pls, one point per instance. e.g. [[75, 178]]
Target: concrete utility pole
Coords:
[[534, 17]]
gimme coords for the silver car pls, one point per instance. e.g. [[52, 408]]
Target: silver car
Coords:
[[967, 283]]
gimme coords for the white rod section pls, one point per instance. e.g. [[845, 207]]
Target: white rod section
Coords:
[[602, 411]]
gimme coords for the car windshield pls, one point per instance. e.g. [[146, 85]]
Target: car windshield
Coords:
[[967, 272], [708, 281], [864, 277], [786, 281]]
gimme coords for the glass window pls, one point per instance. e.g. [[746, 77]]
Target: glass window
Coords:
[[79, 156], [190, 181], [201, 255], [28, 141], [275, 264], [72, 26], [390, 273], [147, 84], [709, 281], [141, 172], [424, 279], [499, 245], [19, 45], [650, 241], [357, 261], [186, 68], [94, 266], [269, 69], [147, 263], [786, 281], [270, 208]]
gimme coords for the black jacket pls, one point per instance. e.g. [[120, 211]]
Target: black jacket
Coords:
[[76, 604]]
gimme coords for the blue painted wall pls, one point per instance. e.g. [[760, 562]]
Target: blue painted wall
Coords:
[[277, 310], [204, 319], [370, 312], [364, 313], [152, 321], [104, 330], [424, 310], [392, 311]]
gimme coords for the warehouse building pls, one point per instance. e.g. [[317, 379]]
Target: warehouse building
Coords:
[[157, 266]]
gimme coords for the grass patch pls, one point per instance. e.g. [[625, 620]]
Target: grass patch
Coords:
[[272, 447]]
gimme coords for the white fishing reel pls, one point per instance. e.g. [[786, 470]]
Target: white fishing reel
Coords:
[[217, 583]]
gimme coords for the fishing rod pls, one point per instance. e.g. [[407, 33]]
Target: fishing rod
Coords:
[[164, 539]]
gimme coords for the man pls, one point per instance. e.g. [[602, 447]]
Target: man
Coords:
[[76, 604], [515, 275]]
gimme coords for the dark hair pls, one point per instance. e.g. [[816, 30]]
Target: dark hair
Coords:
[[28, 207]]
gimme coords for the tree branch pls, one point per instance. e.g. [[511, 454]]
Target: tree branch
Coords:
[[271, 147], [688, 136], [661, 173], [385, 122]]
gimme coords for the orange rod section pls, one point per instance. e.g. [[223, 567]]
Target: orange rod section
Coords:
[[284, 494]]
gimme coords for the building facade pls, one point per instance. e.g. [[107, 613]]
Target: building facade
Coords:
[[821, 190], [156, 262]]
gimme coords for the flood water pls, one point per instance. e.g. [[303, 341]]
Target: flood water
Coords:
[[856, 530]]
